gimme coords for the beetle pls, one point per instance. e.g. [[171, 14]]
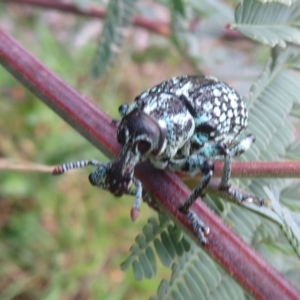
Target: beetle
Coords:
[[183, 124]]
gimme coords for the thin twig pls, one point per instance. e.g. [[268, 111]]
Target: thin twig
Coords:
[[155, 26], [6, 164], [261, 169]]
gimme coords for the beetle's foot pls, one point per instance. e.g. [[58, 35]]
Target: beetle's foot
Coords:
[[241, 196], [199, 227]]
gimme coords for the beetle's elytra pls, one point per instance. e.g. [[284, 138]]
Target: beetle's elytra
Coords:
[[183, 124]]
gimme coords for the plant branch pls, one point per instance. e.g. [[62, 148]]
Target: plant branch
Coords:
[[7, 164], [261, 169], [240, 260], [155, 26]]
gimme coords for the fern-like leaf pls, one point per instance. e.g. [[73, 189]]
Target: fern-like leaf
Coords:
[[289, 226], [285, 2], [196, 276], [293, 152], [294, 60], [270, 103], [159, 235], [115, 29], [269, 23]]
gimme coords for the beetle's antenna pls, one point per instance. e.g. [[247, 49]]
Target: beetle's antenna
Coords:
[[75, 165]]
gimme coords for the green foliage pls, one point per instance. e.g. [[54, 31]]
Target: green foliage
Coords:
[[158, 236], [271, 24], [286, 2], [277, 88], [115, 28], [289, 226], [178, 7], [194, 274]]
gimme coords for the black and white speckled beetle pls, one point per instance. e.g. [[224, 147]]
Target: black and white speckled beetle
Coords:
[[183, 124]]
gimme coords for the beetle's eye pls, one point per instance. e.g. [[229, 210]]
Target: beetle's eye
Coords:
[[121, 136], [143, 146]]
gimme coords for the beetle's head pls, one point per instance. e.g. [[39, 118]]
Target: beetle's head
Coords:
[[141, 134]]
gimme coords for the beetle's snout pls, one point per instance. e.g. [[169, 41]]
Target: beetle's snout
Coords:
[[119, 177], [119, 187]]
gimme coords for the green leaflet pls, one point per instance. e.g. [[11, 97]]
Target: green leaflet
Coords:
[[289, 226], [268, 23], [157, 237], [115, 29], [285, 2], [196, 276]]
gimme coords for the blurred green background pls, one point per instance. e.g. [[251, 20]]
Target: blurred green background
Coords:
[[61, 238]]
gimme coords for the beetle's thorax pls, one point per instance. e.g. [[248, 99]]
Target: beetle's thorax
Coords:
[[173, 117]]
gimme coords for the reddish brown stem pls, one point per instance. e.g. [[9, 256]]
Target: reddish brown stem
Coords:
[[260, 169], [159, 27], [240, 260], [155, 26]]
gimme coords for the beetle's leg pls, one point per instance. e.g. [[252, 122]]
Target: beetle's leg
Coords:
[[135, 210], [141, 194], [238, 149], [151, 201], [199, 227], [242, 146], [207, 168], [241, 196], [213, 150], [226, 173], [195, 163], [192, 164]]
